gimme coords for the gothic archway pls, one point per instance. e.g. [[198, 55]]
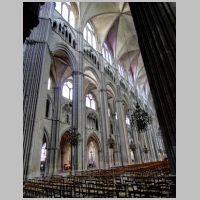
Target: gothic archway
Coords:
[[43, 155], [65, 149], [93, 148]]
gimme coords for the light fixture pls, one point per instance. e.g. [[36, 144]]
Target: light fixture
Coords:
[[160, 150], [140, 119], [111, 142], [145, 149], [132, 146], [73, 136]]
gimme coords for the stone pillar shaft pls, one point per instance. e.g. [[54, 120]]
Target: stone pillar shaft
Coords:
[[36, 67], [123, 140], [155, 24], [81, 105], [54, 142], [105, 127], [135, 137]]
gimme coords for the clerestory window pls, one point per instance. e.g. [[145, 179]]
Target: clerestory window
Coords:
[[106, 53], [89, 35], [64, 8], [67, 91]]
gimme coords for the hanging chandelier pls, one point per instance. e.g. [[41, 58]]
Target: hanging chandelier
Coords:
[[73, 136], [160, 150], [140, 119], [132, 146], [111, 142], [145, 149]]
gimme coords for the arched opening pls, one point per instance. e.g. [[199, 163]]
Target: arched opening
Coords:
[[113, 129], [132, 156], [67, 90], [127, 121], [62, 73], [70, 38], [91, 90], [54, 25], [74, 44], [92, 153], [47, 108], [49, 84], [91, 100], [65, 148], [43, 156]]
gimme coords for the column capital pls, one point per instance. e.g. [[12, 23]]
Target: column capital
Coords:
[[77, 73], [103, 90]]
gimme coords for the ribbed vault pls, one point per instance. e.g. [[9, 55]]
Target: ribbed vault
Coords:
[[113, 24]]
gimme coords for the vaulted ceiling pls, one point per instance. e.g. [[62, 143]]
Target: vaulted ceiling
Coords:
[[114, 25]]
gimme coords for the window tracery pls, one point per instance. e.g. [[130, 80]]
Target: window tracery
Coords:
[[92, 151], [67, 91], [64, 8], [90, 102], [89, 35], [106, 53]]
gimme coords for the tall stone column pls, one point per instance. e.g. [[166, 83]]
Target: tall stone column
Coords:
[[36, 67], [80, 102], [75, 119], [135, 137], [153, 143], [104, 123], [54, 140], [155, 24], [78, 120], [150, 144], [156, 142], [161, 145], [122, 129], [118, 157], [143, 143]]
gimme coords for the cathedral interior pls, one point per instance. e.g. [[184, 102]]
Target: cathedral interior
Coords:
[[99, 99]]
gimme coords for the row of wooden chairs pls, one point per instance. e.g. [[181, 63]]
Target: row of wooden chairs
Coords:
[[139, 188], [151, 182], [145, 167]]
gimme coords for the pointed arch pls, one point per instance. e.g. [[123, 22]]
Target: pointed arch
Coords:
[[93, 151], [44, 152], [65, 151], [93, 136], [111, 88], [93, 74], [46, 135], [126, 100], [72, 59]]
